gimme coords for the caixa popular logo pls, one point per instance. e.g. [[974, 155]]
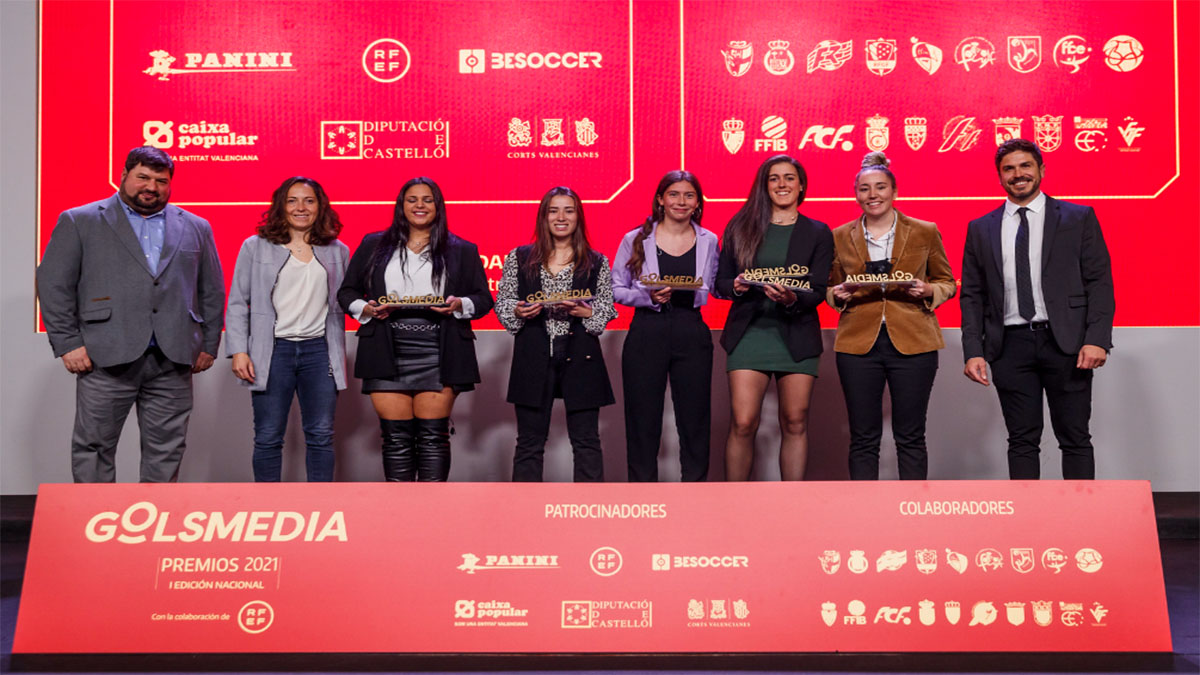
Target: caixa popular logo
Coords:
[[143, 522], [163, 64], [201, 134], [477, 61]]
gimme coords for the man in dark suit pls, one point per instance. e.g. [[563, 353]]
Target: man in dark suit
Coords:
[[1037, 304], [132, 297]]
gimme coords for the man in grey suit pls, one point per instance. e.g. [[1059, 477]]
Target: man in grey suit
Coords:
[[132, 296]]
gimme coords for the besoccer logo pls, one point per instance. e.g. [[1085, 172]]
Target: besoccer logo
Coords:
[[471, 61]]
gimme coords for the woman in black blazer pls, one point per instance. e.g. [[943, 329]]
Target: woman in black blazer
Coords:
[[557, 351], [414, 360], [772, 328]]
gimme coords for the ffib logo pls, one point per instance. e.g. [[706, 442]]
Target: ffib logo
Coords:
[[471, 61]]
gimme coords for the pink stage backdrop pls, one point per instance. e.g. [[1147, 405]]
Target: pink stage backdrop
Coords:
[[500, 100]]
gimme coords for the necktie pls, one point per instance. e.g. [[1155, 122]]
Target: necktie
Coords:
[[1024, 280]]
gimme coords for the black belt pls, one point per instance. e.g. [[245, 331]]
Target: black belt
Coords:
[[1032, 326]]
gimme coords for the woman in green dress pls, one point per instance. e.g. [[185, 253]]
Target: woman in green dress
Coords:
[[774, 264]]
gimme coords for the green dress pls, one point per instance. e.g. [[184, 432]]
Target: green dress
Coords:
[[762, 347]]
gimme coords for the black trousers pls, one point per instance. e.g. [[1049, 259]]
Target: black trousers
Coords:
[[1030, 363], [533, 426], [909, 379], [673, 345]]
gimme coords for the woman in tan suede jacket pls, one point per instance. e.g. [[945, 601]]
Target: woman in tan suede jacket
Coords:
[[889, 273]]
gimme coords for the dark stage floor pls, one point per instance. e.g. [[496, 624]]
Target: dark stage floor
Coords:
[[1177, 523]]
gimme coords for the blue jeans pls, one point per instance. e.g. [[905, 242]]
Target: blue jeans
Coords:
[[299, 368]]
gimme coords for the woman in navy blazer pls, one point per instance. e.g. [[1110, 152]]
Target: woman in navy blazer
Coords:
[[668, 338]]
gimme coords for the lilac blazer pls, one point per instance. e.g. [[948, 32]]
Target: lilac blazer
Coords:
[[628, 291]]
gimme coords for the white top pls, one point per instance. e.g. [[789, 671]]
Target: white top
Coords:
[[1036, 216], [414, 279], [301, 299], [881, 248]]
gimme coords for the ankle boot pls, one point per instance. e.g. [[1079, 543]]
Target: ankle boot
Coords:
[[433, 449], [399, 453]]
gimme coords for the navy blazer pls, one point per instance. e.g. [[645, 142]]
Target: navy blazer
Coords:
[[464, 277], [1076, 281]]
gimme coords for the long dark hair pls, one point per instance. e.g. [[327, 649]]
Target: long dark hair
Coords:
[[748, 226], [543, 240], [395, 238], [657, 213], [274, 227]]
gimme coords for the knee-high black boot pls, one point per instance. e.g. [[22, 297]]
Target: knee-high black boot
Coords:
[[433, 449], [399, 451]]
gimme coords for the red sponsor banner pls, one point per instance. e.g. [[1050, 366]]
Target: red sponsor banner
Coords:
[[467, 568], [506, 99]]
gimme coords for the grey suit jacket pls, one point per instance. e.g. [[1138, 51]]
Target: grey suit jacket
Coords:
[[251, 313], [97, 291]]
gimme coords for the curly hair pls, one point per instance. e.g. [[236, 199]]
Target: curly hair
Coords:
[[274, 227]]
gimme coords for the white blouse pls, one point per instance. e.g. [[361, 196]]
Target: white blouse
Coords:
[[301, 300]]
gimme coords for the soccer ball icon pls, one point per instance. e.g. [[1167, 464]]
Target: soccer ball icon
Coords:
[[1123, 53], [1089, 560]]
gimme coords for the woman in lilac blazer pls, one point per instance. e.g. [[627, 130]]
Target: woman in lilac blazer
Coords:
[[665, 269]]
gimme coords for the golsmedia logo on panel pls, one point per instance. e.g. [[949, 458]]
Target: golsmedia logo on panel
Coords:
[[143, 522], [478, 61]]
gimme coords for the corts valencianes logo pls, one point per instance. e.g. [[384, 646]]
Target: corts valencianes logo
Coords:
[[163, 65], [476, 61], [661, 562], [143, 522], [473, 563]]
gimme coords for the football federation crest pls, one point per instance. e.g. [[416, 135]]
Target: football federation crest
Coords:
[[983, 614], [927, 614], [828, 613], [778, 60], [585, 132], [1071, 613], [1047, 132], [953, 612], [829, 55], [519, 133], [1015, 611], [989, 560], [926, 557], [960, 133], [738, 57], [1024, 52], [1054, 559], [891, 560], [1123, 53], [1098, 612], [915, 132], [1130, 133], [831, 561], [733, 134], [1007, 128], [858, 562], [1022, 559], [928, 56], [881, 56], [1043, 612], [975, 51], [1089, 560], [1091, 134], [1071, 52], [877, 140]]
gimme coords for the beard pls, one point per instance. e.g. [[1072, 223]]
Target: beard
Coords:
[[145, 202], [1025, 192]]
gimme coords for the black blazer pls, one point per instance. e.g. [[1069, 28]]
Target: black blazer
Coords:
[[811, 245], [585, 381], [1076, 281], [465, 278]]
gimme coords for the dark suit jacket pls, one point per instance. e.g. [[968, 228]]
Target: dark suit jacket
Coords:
[[464, 277], [1076, 281], [811, 245], [97, 291]]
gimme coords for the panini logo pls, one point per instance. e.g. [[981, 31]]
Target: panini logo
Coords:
[[131, 526], [163, 65], [473, 563]]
